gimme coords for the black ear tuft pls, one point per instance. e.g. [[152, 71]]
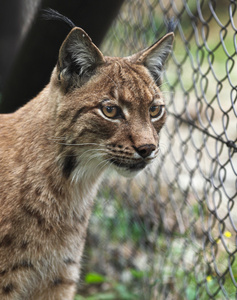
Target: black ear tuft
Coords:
[[53, 15], [171, 25]]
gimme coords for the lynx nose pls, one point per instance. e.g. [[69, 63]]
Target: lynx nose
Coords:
[[145, 150]]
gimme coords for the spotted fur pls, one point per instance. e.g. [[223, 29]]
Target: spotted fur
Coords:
[[54, 150]]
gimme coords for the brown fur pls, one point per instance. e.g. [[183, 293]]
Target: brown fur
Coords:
[[53, 152]]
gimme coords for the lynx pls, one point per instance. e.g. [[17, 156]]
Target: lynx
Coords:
[[97, 112]]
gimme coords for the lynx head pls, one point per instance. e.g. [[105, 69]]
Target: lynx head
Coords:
[[110, 110]]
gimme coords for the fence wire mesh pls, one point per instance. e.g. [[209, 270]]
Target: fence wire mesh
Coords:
[[171, 233]]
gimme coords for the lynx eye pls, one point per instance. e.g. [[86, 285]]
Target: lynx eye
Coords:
[[156, 111], [110, 111]]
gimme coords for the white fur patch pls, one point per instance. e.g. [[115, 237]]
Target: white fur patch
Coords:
[[81, 56]]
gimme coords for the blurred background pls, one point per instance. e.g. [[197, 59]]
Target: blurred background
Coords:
[[170, 233]]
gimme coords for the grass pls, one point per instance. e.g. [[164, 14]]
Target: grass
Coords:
[[177, 262]]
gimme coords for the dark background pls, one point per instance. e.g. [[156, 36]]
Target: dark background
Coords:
[[29, 45]]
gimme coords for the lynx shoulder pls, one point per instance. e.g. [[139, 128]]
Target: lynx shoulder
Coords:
[[96, 112]]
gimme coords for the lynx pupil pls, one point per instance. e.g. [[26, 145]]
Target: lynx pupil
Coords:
[[155, 111], [110, 111]]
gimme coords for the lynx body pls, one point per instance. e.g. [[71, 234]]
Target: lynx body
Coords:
[[96, 112]]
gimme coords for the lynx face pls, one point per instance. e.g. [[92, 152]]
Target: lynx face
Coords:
[[118, 124], [121, 122]]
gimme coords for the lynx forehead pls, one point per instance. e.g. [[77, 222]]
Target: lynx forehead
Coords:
[[96, 112]]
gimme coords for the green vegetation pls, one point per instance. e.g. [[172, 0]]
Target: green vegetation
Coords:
[[116, 290], [176, 264]]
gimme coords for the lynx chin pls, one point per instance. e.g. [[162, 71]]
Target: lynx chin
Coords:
[[97, 112]]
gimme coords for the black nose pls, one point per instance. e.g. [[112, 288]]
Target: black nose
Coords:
[[145, 150]]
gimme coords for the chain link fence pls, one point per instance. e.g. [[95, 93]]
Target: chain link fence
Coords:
[[171, 233]]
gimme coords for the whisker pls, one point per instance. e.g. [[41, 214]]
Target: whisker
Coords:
[[92, 156], [83, 153], [82, 144], [56, 139], [103, 163], [163, 83], [82, 171]]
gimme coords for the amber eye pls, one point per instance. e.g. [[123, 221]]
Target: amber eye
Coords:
[[156, 111], [110, 111]]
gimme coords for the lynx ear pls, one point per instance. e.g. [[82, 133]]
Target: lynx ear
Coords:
[[155, 56], [78, 57]]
